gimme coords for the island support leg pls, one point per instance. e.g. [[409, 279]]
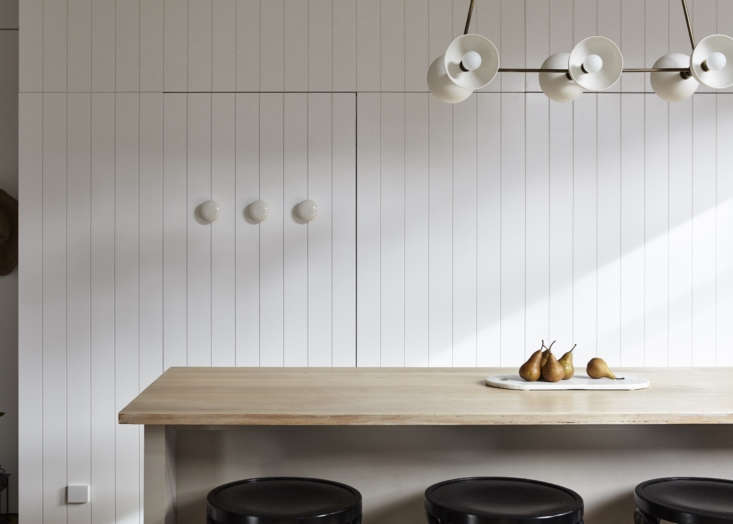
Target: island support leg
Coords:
[[160, 475]]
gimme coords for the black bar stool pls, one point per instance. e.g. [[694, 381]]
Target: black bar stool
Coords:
[[283, 500], [685, 500], [501, 500]]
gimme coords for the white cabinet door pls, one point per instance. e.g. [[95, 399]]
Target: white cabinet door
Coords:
[[275, 293]]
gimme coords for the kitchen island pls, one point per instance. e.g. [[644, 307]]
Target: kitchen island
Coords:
[[390, 432]]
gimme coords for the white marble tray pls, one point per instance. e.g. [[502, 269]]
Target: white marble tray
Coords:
[[579, 381]]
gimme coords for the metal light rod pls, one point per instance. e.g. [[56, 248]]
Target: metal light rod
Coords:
[[468, 17], [689, 24], [625, 70]]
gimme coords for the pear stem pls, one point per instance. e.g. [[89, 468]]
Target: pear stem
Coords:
[[572, 348], [551, 344]]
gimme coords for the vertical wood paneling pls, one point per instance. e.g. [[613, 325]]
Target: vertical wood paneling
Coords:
[[440, 235], [296, 235], [704, 276], [656, 224], [488, 215], [537, 237], [724, 226], [368, 48], [633, 17], [297, 46], [248, 45], [55, 332], [632, 230], [392, 230], [463, 248], [584, 232], [128, 53], [223, 231], [320, 239], [151, 237], [79, 296], [103, 376], [272, 59], [200, 39], [247, 241], [320, 44], [30, 43], [152, 41], [54, 45], [368, 179], [416, 230], [30, 306], [392, 45], [343, 230], [198, 234], [175, 45], [104, 45], [271, 230], [513, 218], [175, 215], [680, 234], [224, 45], [79, 63], [127, 301], [344, 45]]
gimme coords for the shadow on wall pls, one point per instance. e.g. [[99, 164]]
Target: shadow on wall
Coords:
[[392, 466]]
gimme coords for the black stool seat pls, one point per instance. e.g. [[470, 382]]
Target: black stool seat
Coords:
[[687, 500], [502, 500], [283, 500]]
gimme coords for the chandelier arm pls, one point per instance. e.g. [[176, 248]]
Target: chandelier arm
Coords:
[[468, 17], [626, 70], [689, 24]]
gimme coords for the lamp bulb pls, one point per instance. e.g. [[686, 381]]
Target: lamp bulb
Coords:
[[471, 61], [716, 61], [592, 64]]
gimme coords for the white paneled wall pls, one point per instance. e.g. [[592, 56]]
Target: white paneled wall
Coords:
[[325, 45], [119, 281], [486, 226], [458, 235]]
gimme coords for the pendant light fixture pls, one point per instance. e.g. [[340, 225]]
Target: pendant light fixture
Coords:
[[471, 62]]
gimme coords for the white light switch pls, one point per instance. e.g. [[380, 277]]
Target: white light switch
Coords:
[[77, 494]]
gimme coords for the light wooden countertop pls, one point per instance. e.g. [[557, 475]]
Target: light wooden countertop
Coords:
[[419, 396]]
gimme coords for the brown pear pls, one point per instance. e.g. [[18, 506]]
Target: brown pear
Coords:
[[597, 368], [530, 370], [552, 371], [546, 352], [566, 361]]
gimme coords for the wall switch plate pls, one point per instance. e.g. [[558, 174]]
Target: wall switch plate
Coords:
[[77, 494]]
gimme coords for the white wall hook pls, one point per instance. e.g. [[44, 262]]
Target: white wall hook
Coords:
[[306, 211], [256, 212], [208, 212]]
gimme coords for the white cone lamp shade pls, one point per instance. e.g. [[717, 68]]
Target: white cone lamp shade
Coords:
[[595, 63], [557, 86], [670, 85], [470, 62], [712, 61]]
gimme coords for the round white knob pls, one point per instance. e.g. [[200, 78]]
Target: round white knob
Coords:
[[716, 61], [306, 211], [592, 64], [257, 211], [208, 211], [471, 61]]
